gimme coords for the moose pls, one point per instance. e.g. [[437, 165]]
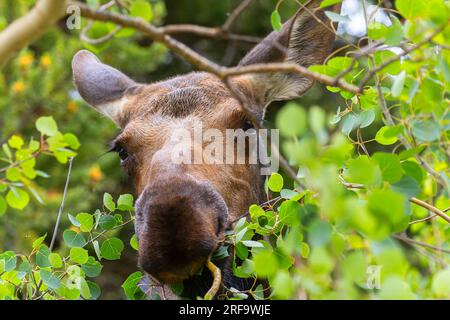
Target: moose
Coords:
[[183, 210]]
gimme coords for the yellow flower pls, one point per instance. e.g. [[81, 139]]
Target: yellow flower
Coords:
[[18, 87], [46, 61], [95, 173], [25, 60], [72, 106]]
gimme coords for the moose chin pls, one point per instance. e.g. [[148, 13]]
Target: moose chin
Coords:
[[183, 209]]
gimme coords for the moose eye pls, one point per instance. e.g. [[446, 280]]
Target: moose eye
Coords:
[[121, 151], [123, 154], [248, 125]]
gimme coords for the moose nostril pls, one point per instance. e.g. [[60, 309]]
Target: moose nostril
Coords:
[[180, 228]]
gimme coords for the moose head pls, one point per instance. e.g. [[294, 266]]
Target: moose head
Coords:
[[182, 210]]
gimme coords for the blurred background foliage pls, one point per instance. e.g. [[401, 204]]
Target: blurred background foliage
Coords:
[[37, 82]]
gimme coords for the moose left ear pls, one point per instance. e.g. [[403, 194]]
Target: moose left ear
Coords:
[[305, 39], [102, 86]]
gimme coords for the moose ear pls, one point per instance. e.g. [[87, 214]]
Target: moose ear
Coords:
[[100, 85], [305, 39]]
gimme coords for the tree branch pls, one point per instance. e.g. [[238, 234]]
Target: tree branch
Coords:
[[29, 27], [159, 34]]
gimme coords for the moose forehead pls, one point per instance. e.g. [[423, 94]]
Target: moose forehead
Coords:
[[153, 111], [195, 94]]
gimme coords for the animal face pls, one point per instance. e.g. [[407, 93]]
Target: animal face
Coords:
[[183, 209]]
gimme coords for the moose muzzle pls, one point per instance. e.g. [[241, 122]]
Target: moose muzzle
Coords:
[[179, 223]]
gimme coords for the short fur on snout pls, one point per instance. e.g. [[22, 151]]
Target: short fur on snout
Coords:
[[181, 222], [183, 209]]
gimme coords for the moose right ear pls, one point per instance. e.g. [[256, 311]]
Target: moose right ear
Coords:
[[305, 39], [100, 85]]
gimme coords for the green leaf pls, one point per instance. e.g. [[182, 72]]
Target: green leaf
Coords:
[[125, 202], [55, 260], [74, 220], [3, 206], [9, 259], [407, 186], [18, 199], [390, 166], [134, 242], [92, 268], [394, 288], [441, 284], [252, 244], [304, 250], [319, 233], [86, 221], [131, 288], [283, 285], [390, 35], [335, 17], [399, 83], [71, 140], [96, 246], [289, 212], [425, 130], [265, 263], [42, 257], [107, 222], [366, 118], [50, 280], [74, 239], [275, 19], [291, 120], [363, 170], [7, 151], [16, 142], [47, 126], [13, 174], [327, 3], [108, 202], [276, 182], [387, 135], [84, 288], [349, 123], [94, 290], [37, 243], [386, 205], [142, 9], [411, 9], [79, 255], [384, 56], [112, 248]]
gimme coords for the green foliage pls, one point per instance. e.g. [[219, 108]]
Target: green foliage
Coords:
[[360, 170], [360, 163], [64, 274]]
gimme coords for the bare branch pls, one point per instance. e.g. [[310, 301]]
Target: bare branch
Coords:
[[414, 200], [429, 207], [29, 27], [235, 14], [159, 35], [214, 33], [421, 244], [290, 68]]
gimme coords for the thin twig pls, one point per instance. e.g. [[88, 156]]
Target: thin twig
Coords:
[[431, 208], [418, 243], [55, 231], [235, 14], [61, 208]]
